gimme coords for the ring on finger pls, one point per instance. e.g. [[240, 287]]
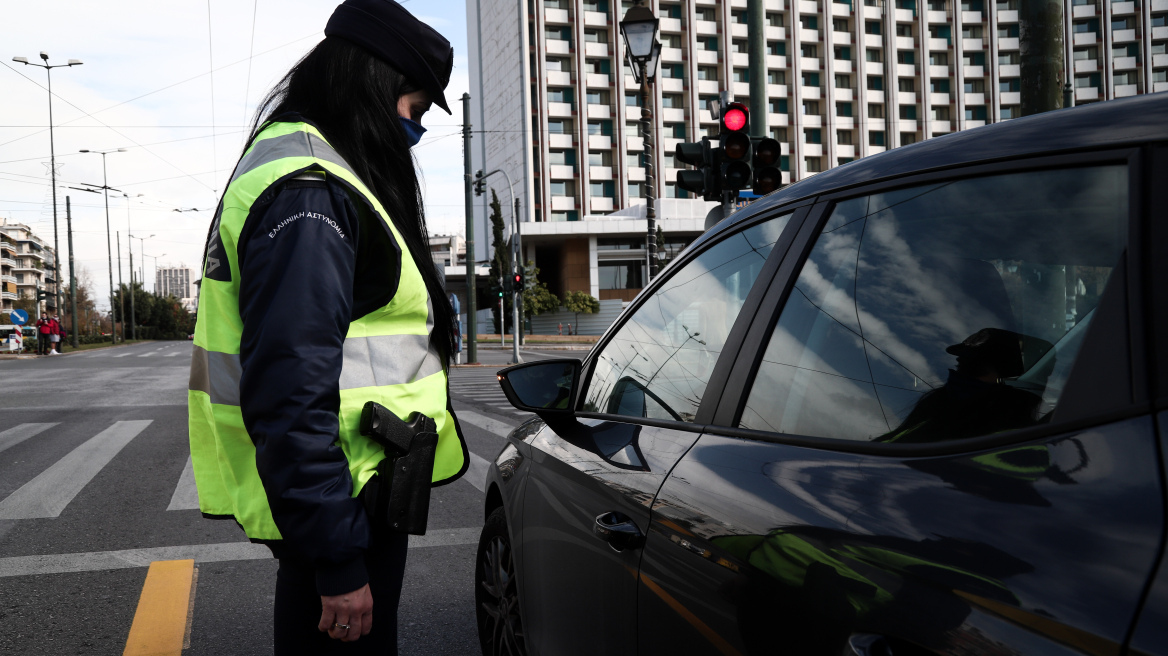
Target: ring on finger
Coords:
[[338, 625]]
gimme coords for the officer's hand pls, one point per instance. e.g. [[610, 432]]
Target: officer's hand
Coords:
[[354, 608]]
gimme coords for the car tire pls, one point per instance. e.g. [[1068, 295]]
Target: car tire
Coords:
[[497, 591]]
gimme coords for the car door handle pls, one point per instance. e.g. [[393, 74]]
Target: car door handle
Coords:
[[869, 644], [617, 530]]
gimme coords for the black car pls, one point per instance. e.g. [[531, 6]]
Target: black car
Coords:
[[912, 405]]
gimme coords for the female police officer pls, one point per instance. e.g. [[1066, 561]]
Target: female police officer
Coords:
[[319, 295]]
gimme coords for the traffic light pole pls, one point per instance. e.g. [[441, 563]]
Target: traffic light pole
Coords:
[[72, 278], [472, 351], [757, 47], [650, 175], [516, 297]]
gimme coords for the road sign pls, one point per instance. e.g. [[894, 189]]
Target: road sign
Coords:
[[19, 317]]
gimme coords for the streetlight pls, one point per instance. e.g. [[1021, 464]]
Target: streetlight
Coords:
[[133, 316], [142, 252], [52, 162], [639, 29], [155, 258], [109, 246]]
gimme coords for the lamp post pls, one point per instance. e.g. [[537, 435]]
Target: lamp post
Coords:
[[155, 258], [52, 163], [133, 317], [108, 245], [639, 29]]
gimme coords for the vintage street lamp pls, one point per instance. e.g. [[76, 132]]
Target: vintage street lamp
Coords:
[[639, 29]]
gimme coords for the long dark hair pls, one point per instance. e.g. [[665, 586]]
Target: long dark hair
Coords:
[[351, 97]]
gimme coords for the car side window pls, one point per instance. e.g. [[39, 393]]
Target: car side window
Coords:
[[943, 311], [658, 363]]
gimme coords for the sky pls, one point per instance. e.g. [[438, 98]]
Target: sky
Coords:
[[174, 83]]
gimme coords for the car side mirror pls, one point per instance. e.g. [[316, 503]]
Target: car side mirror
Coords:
[[546, 387]]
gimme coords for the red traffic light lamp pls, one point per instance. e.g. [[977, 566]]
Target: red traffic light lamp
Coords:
[[736, 147]]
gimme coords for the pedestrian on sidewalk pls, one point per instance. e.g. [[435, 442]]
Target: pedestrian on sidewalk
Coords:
[[44, 327], [325, 204], [569, 329], [560, 328], [55, 335]]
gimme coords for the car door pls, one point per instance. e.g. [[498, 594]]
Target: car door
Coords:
[[937, 446], [647, 384]]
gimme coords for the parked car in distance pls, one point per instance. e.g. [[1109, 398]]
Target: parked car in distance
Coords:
[[911, 405]]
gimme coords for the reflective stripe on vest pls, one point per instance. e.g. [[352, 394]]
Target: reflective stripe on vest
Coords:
[[387, 355]]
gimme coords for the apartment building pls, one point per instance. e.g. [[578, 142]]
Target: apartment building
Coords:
[[554, 102], [174, 281], [26, 264]]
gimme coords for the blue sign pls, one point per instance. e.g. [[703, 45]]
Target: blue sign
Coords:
[[19, 317]]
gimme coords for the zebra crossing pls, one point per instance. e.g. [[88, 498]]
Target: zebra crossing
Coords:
[[480, 386], [167, 350]]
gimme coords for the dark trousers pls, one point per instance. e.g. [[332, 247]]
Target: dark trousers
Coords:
[[297, 608], [43, 344]]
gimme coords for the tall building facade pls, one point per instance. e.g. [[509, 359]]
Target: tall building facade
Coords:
[[554, 102], [173, 281], [26, 265]]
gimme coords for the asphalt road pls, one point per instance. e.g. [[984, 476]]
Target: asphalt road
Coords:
[[93, 488]]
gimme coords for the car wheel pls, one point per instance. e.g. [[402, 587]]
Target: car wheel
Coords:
[[496, 591]]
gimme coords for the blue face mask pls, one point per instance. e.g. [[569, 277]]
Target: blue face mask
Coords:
[[414, 130]]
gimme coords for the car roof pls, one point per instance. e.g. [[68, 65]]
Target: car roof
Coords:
[[1115, 123]]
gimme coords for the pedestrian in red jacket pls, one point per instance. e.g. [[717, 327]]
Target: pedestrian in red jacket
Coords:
[[44, 331]]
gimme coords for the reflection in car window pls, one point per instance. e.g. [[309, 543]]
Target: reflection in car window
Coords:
[[658, 363], [944, 311]]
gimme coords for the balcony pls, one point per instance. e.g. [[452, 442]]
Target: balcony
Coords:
[[845, 150], [597, 50], [8, 296], [975, 99], [1083, 11], [601, 204], [562, 203], [842, 66], [973, 71], [595, 80], [559, 140], [556, 17], [599, 142], [1008, 43], [670, 84], [1086, 93], [671, 25], [739, 30], [673, 115], [708, 87], [595, 19], [968, 17], [599, 111], [1125, 63], [557, 47], [1160, 60], [808, 6], [1125, 90], [600, 172], [812, 121], [1011, 97], [906, 70], [33, 253], [974, 45], [873, 68], [813, 150], [937, 17], [559, 110], [1007, 16], [562, 171], [938, 45], [1159, 5], [1086, 38], [843, 94], [1010, 70], [635, 143], [11, 279], [1160, 32], [741, 89], [706, 28], [906, 97], [672, 55], [739, 59], [8, 262], [559, 79], [1122, 8], [707, 57], [1123, 36], [636, 174]]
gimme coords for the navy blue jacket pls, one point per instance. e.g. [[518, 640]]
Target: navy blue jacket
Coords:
[[312, 258]]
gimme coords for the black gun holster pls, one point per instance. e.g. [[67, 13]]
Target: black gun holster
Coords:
[[399, 494]]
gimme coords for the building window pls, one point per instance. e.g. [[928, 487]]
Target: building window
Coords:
[[1008, 31], [810, 79], [809, 50], [813, 136], [598, 97], [875, 110], [600, 158], [1011, 111], [634, 190], [1126, 78], [1009, 59], [621, 274], [846, 160], [601, 189], [777, 48], [570, 215], [906, 57], [843, 53], [710, 42], [741, 75], [843, 137], [775, 19], [975, 86], [558, 64], [975, 113], [814, 164], [776, 77], [1127, 23], [672, 101], [1008, 84], [875, 137], [563, 188], [908, 112], [709, 73], [559, 95], [1160, 47], [907, 138], [560, 126], [741, 45], [562, 157], [603, 128], [936, 5], [843, 81], [678, 130], [972, 32], [904, 29], [778, 105], [1160, 75], [839, 24], [906, 84], [940, 112], [1092, 80], [972, 5], [809, 22], [1083, 27], [810, 107], [875, 83], [843, 109], [939, 85], [634, 160], [873, 55], [938, 59], [779, 134], [673, 71], [633, 99], [595, 36], [872, 27]]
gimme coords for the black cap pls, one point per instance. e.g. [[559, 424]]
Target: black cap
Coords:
[[393, 35], [999, 348]]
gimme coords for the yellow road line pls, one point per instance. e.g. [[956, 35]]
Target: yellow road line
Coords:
[[160, 622]]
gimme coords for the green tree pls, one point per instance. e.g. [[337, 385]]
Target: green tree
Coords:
[[577, 302], [537, 299], [500, 266]]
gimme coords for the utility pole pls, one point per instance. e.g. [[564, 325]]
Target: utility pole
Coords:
[[72, 278], [757, 48], [1040, 40], [516, 329], [472, 351], [519, 268], [123, 296]]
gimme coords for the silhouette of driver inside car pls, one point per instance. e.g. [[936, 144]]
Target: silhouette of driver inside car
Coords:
[[974, 401]]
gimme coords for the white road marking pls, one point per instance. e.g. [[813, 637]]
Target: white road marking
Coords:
[[18, 434], [476, 473], [49, 493], [147, 354], [200, 553], [186, 495], [486, 423], [171, 355], [122, 355]]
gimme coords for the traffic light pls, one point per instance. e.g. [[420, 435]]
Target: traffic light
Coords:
[[480, 183], [766, 154], [703, 181], [735, 145], [43, 295], [518, 282]]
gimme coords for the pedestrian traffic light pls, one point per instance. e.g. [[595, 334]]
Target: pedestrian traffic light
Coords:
[[703, 181], [518, 278], [734, 141], [766, 154], [480, 183]]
